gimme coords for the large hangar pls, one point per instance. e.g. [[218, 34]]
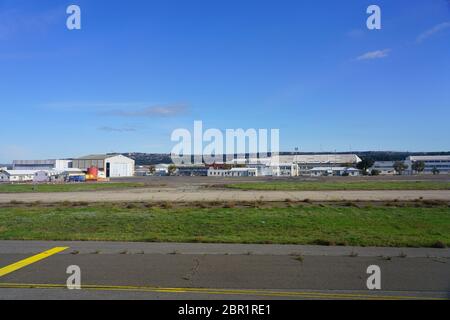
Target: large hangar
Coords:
[[112, 165], [42, 164]]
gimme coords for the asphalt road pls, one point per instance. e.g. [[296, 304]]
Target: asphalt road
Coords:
[[198, 271]]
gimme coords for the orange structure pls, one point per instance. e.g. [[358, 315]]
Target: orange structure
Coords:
[[92, 174]]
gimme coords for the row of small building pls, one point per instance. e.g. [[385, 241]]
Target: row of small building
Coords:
[[92, 167], [114, 165], [279, 166], [311, 165]]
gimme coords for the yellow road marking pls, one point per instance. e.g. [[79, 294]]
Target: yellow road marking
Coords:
[[265, 293], [23, 263]]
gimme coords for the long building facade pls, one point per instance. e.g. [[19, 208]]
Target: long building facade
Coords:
[[53, 164], [433, 164], [308, 162]]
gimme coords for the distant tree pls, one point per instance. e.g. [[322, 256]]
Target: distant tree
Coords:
[[365, 164], [418, 166], [400, 166], [375, 172], [435, 171], [348, 165], [172, 169], [152, 169]]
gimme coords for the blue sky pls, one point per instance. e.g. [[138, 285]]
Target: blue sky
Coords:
[[140, 69]]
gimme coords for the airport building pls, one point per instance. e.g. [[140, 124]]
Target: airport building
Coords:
[[46, 176], [262, 170], [42, 164], [194, 170], [109, 165], [162, 169], [334, 171], [308, 162], [17, 175], [284, 170], [269, 166], [432, 163], [384, 167], [234, 172], [142, 171], [295, 165]]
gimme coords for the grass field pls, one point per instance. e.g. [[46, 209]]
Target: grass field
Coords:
[[351, 185], [295, 224], [21, 188]]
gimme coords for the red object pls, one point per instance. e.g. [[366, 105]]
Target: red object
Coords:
[[220, 166], [93, 172]]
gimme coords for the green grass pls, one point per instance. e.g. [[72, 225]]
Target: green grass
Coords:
[[352, 185], [21, 188], [308, 224]]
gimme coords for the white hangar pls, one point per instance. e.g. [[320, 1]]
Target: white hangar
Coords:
[[112, 165]]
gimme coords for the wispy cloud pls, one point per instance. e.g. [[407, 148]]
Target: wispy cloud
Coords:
[[430, 32], [378, 54], [14, 22], [115, 129], [92, 105], [121, 109], [153, 111]]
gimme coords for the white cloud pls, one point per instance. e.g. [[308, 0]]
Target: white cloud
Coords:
[[122, 109], [116, 129], [378, 54], [15, 22], [97, 105], [430, 32], [153, 111]]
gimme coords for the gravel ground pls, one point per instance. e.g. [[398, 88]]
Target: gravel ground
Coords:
[[191, 195]]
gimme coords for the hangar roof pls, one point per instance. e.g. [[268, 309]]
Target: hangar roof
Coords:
[[20, 172], [429, 158], [321, 158], [97, 157]]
